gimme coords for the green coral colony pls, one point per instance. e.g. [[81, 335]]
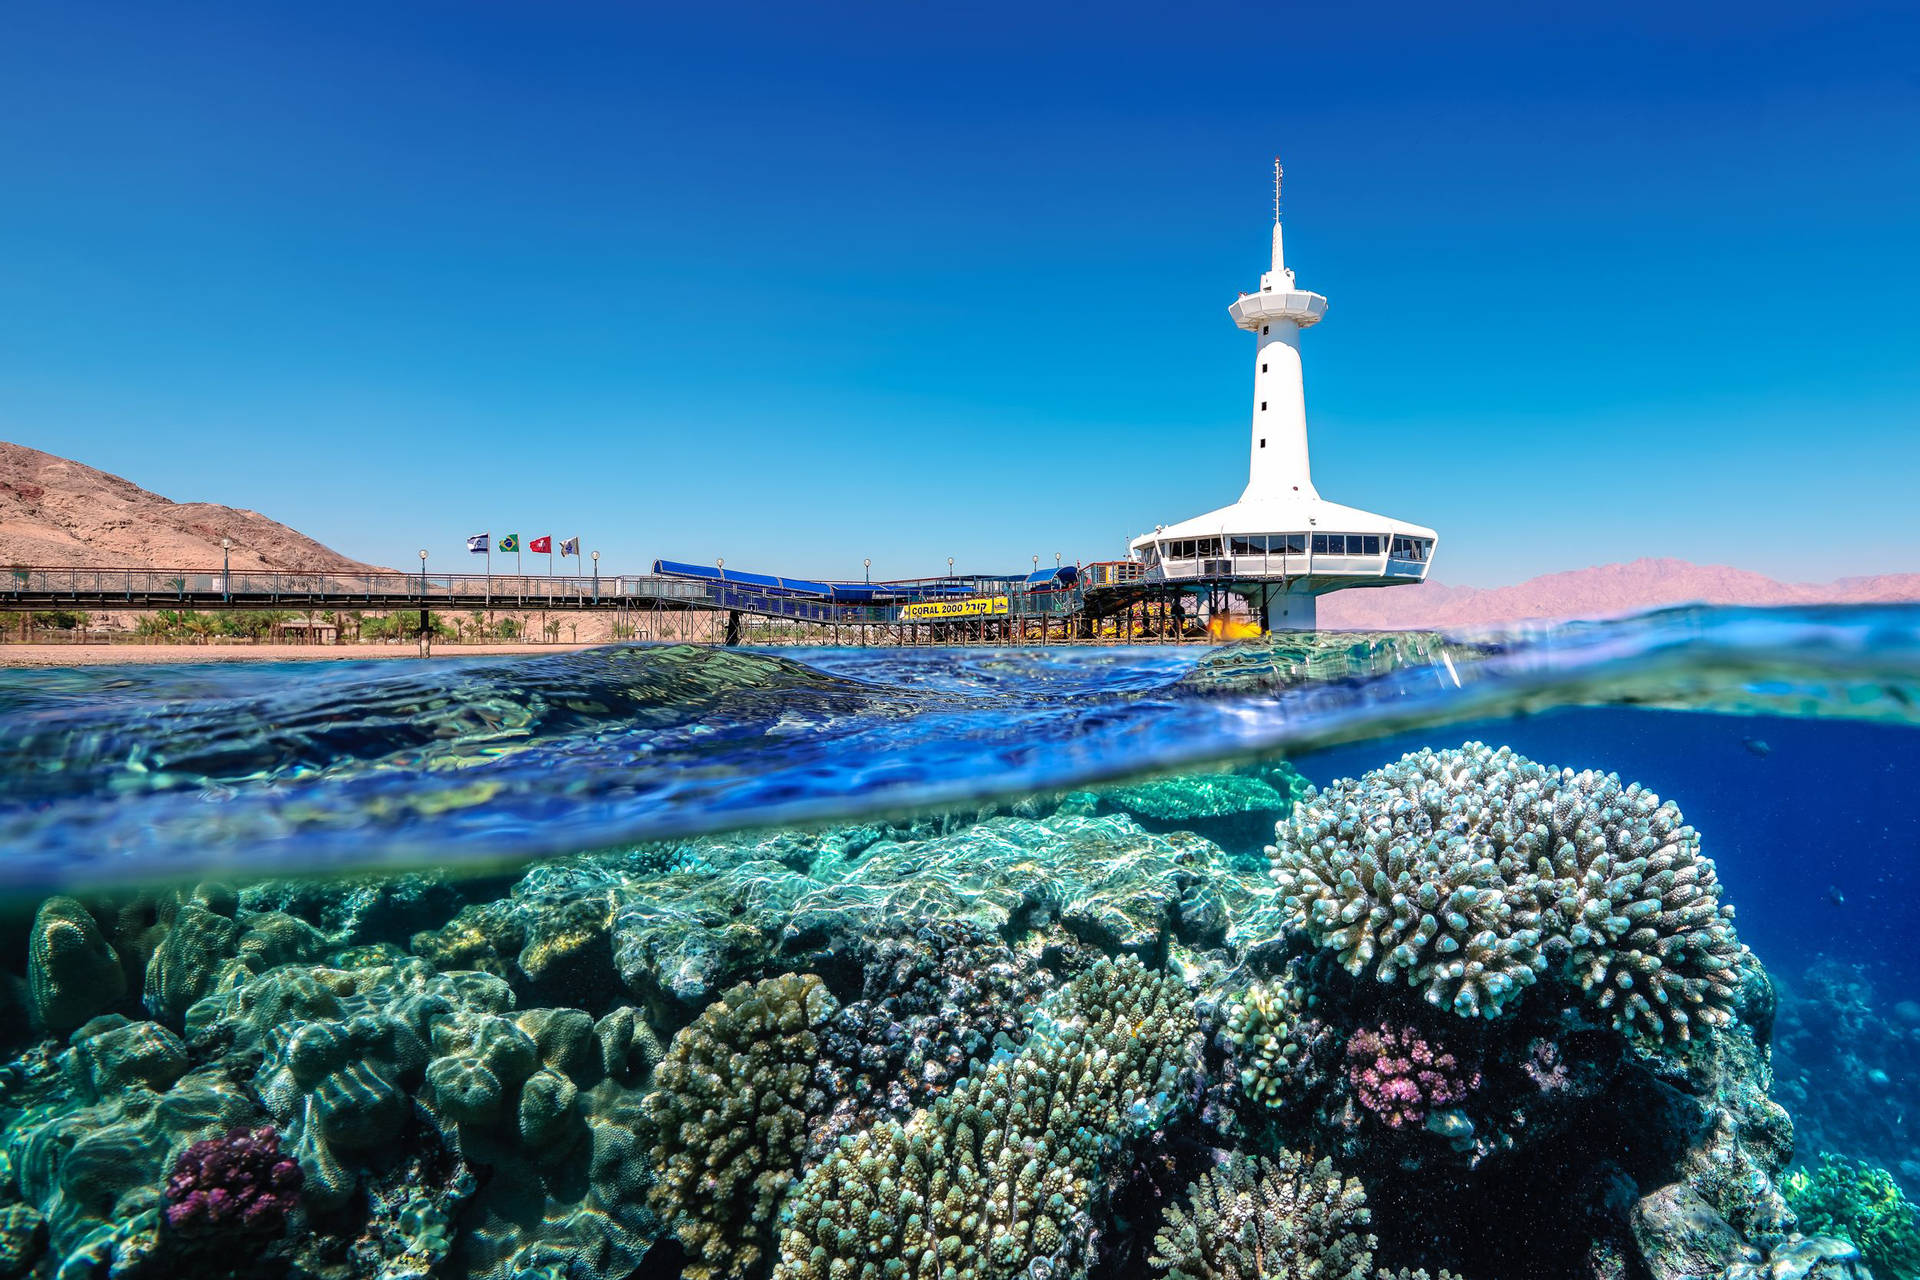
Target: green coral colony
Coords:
[[1100, 1034]]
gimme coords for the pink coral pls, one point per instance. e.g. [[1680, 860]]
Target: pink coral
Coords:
[[1400, 1076], [240, 1182]]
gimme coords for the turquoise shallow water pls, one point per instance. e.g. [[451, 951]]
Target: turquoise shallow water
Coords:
[[968, 963]]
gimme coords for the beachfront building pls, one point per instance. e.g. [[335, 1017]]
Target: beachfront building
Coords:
[[1282, 545]]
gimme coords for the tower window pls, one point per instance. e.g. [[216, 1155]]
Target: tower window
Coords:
[[1263, 367], [1263, 442], [1263, 404], [1264, 328]]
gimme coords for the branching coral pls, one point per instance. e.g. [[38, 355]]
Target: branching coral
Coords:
[[1265, 1219], [240, 1183], [1470, 873], [932, 1004], [1282, 1049], [1005, 1172], [730, 1106], [1860, 1202], [1400, 1076]]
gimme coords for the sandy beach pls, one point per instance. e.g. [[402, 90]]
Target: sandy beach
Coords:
[[94, 655]]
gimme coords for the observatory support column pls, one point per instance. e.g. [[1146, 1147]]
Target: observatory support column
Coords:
[[1291, 608]]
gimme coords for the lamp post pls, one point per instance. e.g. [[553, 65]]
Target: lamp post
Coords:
[[226, 569], [425, 639], [868, 565], [949, 566], [1036, 564], [596, 577], [1056, 560]]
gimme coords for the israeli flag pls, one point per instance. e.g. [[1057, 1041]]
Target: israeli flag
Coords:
[[570, 547], [480, 544]]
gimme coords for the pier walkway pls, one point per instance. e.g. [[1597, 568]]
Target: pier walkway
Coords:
[[935, 610]]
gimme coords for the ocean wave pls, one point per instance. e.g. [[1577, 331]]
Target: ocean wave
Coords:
[[112, 774]]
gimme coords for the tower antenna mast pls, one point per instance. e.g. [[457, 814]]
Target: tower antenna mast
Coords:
[[1276, 188]]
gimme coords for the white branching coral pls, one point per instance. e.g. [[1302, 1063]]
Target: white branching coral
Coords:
[[1473, 873]]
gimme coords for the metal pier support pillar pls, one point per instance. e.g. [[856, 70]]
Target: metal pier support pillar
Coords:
[[733, 627]]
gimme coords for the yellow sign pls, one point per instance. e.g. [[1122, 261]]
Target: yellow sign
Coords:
[[977, 607]]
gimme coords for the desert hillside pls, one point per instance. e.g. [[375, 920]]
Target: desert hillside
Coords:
[[57, 512], [1602, 591]]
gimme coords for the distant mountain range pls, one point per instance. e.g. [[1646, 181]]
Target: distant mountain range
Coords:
[[1602, 591], [56, 512]]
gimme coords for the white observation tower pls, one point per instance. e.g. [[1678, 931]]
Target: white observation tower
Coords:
[[1282, 545]]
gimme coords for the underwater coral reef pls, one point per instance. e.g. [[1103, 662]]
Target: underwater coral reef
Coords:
[[1465, 1016]]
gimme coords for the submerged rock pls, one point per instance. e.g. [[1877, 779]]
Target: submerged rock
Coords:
[[1682, 1238]]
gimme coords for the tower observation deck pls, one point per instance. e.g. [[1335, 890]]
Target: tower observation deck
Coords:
[[1282, 545]]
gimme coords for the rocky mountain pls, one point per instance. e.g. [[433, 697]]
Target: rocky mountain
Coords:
[[56, 512], [1602, 591]]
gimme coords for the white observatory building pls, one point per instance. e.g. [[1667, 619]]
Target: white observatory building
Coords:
[[1282, 545]]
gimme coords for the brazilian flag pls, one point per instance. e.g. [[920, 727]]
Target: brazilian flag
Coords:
[[509, 543]]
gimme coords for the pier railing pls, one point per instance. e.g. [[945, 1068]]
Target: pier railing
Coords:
[[104, 587], [41, 587]]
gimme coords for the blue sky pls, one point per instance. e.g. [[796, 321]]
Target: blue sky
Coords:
[[800, 284]]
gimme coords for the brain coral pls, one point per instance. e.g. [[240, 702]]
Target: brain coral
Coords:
[[730, 1107], [349, 1057], [73, 972], [1002, 1176], [91, 1149], [1280, 1219], [1470, 873]]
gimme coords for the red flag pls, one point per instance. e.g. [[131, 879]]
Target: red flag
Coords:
[[544, 543]]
